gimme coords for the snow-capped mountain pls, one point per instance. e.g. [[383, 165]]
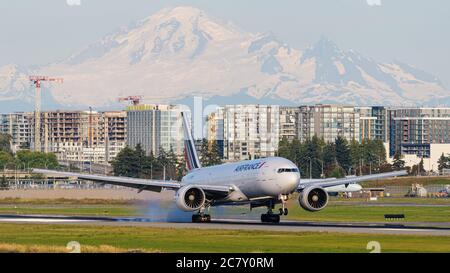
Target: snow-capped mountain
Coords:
[[181, 52]]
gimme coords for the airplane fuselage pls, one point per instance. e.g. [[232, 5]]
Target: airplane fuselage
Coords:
[[267, 177]]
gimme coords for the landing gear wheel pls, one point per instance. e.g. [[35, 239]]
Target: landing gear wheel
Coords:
[[199, 218], [270, 218], [285, 211]]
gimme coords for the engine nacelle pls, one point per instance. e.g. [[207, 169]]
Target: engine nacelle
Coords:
[[313, 199], [190, 198]]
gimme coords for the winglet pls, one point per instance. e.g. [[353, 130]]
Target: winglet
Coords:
[[190, 153]]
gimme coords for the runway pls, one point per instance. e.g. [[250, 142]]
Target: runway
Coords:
[[397, 228]]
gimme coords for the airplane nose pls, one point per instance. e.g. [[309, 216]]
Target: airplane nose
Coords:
[[291, 183]]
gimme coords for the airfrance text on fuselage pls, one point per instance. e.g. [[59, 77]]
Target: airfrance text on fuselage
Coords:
[[247, 167]]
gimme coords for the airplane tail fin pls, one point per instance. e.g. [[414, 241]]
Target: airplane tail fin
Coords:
[[190, 153]]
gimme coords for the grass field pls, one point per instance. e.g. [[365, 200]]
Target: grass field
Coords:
[[355, 213], [408, 181], [54, 238], [82, 210]]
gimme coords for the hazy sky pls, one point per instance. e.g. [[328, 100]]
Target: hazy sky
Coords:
[[412, 31]]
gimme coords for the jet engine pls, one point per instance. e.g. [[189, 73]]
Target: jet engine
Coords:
[[313, 199], [190, 198]]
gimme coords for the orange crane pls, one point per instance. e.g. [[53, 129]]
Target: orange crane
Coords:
[[36, 81], [135, 100]]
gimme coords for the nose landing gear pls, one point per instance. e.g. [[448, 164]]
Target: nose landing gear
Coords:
[[283, 211]]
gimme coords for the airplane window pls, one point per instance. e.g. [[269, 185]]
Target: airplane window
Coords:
[[286, 170]]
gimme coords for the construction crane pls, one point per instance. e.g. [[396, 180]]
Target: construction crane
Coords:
[[135, 100], [36, 81]]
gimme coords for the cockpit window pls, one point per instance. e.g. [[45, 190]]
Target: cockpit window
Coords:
[[287, 170]]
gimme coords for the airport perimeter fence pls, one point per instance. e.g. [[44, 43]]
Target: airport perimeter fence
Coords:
[[51, 184], [401, 191]]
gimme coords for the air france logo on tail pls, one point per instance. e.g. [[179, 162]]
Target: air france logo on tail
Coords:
[[247, 167]]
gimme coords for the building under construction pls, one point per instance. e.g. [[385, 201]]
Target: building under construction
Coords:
[[86, 136]]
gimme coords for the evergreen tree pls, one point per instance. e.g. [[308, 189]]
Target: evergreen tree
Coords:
[[421, 169], [329, 158], [162, 162], [337, 172], [126, 163], [308, 158], [285, 149], [214, 154], [172, 164], [5, 159], [296, 148], [356, 154], [398, 163], [5, 143], [4, 183], [444, 163], [343, 153], [209, 153]]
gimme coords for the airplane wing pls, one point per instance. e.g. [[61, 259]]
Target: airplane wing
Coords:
[[349, 180], [317, 180], [137, 183]]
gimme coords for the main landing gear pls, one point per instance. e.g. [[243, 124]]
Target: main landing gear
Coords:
[[201, 218], [270, 217]]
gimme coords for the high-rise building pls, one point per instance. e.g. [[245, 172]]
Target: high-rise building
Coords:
[[328, 122], [249, 131], [155, 127], [414, 130], [419, 134], [289, 120], [18, 126], [373, 123]]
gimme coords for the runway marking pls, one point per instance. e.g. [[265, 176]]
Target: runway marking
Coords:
[[42, 220], [404, 229]]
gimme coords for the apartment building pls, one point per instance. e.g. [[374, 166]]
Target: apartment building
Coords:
[[155, 127], [328, 122], [18, 126], [249, 131], [289, 121], [373, 123]]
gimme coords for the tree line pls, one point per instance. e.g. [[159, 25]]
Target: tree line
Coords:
[[24, 159], [134, 162], [318, 159]]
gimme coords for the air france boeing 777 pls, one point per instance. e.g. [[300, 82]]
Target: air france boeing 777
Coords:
[[263, 182]]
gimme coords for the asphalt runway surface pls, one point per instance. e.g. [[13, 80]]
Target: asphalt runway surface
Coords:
[[397, 228]]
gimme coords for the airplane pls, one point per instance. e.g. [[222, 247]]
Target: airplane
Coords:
[[263, 182]]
